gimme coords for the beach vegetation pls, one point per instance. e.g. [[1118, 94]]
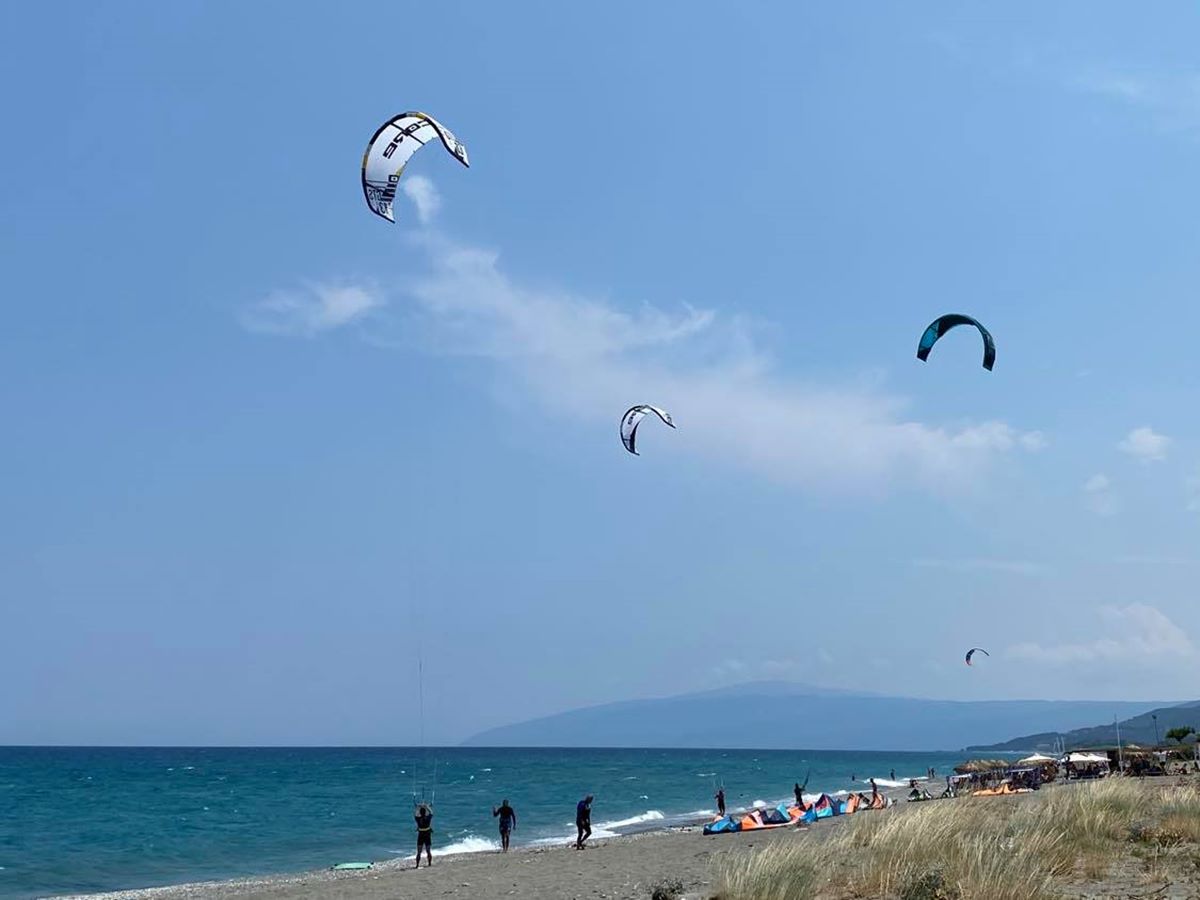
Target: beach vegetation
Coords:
[[1180, 734], [667, 889], [1002, 848], [930, 886]]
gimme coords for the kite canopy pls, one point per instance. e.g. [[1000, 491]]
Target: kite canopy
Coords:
[[633, 417], [390, 149], [941, 325], [975, 650]]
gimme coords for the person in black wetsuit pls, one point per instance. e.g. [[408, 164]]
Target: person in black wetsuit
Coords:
[[424, 820], [508, 821], [798, 789], [720, 798], [583, 820]]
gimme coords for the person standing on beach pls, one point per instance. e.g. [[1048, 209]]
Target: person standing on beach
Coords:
[[720, 798], [799, 789], [583, 820], [874, 791], [508, 821], [424, 820]]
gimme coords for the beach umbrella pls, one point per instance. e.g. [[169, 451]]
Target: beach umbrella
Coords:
[[1036, 759]]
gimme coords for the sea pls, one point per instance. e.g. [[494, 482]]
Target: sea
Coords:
[[76, 820]]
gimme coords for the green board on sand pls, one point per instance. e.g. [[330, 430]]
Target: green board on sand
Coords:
[[345, 867]]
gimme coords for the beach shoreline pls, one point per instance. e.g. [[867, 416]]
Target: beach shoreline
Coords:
[[632, 866], [621, 866], [114, 820], [617, 865]]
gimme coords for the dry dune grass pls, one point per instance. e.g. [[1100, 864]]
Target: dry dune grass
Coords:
[[985, 848]]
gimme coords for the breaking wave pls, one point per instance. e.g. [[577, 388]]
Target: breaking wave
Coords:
[[470, 844], [652, 815]]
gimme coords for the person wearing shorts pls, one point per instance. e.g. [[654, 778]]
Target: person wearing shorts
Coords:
[[508, 821], [424, 820]]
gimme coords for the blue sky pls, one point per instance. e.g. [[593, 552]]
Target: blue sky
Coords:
[[263, 448]]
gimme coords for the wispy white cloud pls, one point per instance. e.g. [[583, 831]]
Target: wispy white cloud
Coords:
[[1134, 634], [1168, 97], [1145, 444], [1010, 566], [1191, 488], [310, 310], [590, 359], [1171, 98], [731, 671], [1034, 441], [1148, 560], [1098, 495], [1127, 87], [424, 196]]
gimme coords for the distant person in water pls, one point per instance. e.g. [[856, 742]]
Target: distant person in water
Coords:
[[892, 775], [583, 820], [720, 798], [508, 821], [424, 820]]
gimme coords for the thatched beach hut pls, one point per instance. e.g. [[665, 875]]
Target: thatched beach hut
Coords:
[[980, 766]]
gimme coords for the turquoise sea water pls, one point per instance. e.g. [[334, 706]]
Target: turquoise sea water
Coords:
[[93, 819]]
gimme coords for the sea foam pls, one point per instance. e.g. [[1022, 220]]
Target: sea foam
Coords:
[[651, 815], [470, 844]]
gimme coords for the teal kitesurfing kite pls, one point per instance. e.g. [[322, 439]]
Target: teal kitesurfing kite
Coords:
[[942, 324]]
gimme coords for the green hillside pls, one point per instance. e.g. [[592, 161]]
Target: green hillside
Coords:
[[1139, 729]]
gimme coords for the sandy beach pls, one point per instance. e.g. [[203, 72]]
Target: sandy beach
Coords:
[[610, 868], [633, 866]]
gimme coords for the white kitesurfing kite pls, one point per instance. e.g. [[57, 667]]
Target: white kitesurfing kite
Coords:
[[389, 151], [633, 417]]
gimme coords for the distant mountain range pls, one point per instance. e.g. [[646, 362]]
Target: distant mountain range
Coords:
[[1140, 729], [786, 715]]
